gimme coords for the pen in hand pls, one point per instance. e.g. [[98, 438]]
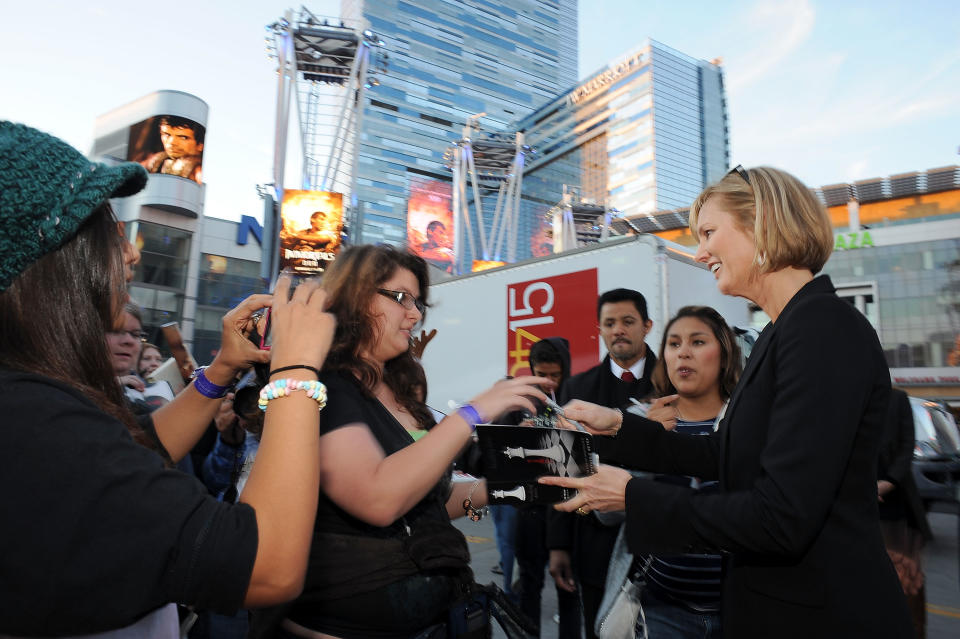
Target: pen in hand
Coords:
[[555, 407]]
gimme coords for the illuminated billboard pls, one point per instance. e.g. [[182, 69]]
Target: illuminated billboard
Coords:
[[485, 265], [430, 222], [168, 144], [311, 222], [541, 241]]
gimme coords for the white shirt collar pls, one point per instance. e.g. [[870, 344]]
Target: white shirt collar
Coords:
[[636, 369]]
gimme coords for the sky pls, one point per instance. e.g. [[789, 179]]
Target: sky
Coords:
[[832, 91]]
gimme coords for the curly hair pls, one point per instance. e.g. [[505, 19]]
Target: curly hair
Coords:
[[730, 366], [351, 284]]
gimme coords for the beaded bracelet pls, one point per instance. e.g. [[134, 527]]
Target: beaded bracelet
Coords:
[[474, 514], [283, 387], [205, 387]]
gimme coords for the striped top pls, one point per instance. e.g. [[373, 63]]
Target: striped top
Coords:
[[691, 580]]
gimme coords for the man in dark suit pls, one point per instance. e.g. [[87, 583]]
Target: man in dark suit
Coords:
[[903, 519], [580, 547]]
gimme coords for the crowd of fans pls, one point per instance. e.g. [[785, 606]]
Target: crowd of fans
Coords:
[[306, 491]]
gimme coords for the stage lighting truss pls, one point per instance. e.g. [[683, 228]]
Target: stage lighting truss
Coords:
[[484, 163]]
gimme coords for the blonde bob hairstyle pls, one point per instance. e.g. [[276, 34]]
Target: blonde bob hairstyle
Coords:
[[790, 226]]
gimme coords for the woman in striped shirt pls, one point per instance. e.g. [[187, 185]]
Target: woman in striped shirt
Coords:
[[698, 368]]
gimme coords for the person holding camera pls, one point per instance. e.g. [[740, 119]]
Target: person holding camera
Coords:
[[98, 533]]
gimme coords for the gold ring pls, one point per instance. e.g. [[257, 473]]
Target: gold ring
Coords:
[[581, 511]]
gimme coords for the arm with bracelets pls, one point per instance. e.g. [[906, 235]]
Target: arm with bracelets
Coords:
[[284, 483]]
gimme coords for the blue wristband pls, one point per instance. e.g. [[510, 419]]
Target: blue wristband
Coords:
[[207, 388], [470, 415]]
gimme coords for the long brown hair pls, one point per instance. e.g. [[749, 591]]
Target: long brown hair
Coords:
[[351, 284], [730, 367], [54, 315]]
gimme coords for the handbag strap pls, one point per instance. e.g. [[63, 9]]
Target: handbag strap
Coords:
[[639, 573]]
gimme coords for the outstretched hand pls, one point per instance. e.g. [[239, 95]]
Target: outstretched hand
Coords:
[[417, 344], [604, 491], [598, 420], [664, 410], [511, 394]]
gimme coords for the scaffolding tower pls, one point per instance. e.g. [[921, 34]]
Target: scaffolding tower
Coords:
[[486, 162], [576, 222], [325, 66]]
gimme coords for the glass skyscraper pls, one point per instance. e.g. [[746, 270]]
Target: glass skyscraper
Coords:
[[449, 60], [644, 134]]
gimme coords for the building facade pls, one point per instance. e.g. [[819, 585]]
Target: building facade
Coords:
[[165, 131], [644, 134], [449, 60], [192, 268]]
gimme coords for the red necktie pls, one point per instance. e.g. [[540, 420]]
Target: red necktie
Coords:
[[627, 376]]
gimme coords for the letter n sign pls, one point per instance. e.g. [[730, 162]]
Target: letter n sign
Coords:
[[247, 226]]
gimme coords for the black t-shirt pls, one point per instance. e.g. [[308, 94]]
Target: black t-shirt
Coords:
[[95, 532], [348, 404], [363, 580]]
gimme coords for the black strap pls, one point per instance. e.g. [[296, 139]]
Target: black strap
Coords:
[[294, 367]]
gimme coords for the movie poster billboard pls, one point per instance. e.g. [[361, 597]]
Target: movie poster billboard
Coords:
[[430, 222], [552, 307], [310, 227], [541, 241], [168, 144], [485, 265]]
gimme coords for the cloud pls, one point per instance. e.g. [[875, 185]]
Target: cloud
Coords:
[[857, 170], [827, 101], [770, 17]]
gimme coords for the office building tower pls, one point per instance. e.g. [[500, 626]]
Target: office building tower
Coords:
[[644, 134], [449, 60]]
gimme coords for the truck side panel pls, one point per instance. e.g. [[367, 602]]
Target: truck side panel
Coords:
[[486, 321]]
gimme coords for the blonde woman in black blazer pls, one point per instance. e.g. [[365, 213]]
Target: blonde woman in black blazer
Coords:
[[796, 453]]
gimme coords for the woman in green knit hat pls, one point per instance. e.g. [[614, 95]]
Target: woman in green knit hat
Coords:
[[98, 534]]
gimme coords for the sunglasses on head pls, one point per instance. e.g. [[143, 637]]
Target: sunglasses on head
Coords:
[[742, 172]]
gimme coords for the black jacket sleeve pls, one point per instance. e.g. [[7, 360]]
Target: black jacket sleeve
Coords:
[[643, 444], [896, 453]]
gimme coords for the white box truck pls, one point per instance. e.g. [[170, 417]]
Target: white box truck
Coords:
[[486, 321]]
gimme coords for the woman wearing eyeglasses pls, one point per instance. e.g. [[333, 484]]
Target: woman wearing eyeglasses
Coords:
[[796, 452], [124, 343], [385, 560]]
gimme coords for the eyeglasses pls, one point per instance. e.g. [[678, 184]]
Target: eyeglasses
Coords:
[[140, 336], [742, 172], [404, 299]]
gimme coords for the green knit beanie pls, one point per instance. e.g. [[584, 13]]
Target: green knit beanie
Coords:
[[47, 190]]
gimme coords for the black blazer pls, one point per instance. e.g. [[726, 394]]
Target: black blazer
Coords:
[[895, 465], [796, 457]]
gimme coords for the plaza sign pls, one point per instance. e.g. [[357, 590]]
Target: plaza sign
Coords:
[[848, 241]]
